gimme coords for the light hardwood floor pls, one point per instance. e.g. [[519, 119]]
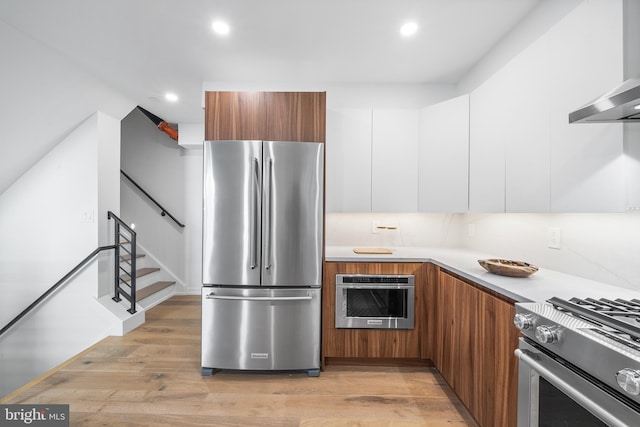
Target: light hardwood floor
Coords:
[[151, 376]]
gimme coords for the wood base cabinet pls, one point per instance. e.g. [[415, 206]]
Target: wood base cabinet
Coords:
[[473, 341], [380, 344]]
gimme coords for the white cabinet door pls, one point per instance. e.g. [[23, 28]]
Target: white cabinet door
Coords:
[[394, 177], [443, 184], [524, 155], [526, 131], [348, 160], [509, 146], [586, 60], [487, 147]]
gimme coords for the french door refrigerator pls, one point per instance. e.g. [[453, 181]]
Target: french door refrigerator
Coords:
[[262, 255]]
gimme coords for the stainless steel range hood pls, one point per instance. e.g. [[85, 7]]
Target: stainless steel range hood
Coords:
[[621, 104]]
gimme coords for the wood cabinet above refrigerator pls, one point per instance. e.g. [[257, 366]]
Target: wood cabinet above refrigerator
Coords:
[[273, 116]]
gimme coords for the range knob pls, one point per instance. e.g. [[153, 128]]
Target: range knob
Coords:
[[629, 381], [546, 334], [523, 321]]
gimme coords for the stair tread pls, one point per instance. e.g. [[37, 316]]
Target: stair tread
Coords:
[[152, 289], [140, 272], [128, 257]]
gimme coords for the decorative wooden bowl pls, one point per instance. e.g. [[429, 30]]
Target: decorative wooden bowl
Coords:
[[505, 267]]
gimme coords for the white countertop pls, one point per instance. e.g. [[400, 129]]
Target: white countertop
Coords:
[[538, 287]]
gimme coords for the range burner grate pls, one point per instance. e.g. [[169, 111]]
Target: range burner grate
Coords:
[[619, 315], [613, 308]]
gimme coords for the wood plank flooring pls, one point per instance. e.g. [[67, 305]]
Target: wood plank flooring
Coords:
[[151, 377]]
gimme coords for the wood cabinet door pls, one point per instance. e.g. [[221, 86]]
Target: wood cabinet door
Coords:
[[294, 116], [458, 358], [474, 350], [429, 297], [271, 116], [368, 343], [234, 115], [498, 367]]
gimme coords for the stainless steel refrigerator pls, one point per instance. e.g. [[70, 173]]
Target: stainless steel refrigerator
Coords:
[[262, 255]]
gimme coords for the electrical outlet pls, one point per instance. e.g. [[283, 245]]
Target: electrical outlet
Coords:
[[554, 236], [374, 227]]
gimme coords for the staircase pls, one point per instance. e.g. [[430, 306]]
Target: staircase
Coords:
[[153, 285]]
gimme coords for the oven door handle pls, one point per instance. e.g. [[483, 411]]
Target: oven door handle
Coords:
[[567, 389]]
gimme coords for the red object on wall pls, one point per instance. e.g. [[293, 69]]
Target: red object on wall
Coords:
[[161, 124]]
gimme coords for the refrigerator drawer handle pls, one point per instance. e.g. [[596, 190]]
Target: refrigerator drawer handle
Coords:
[[214, 296]]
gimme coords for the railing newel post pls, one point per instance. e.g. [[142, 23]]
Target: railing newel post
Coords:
[[132, 310]]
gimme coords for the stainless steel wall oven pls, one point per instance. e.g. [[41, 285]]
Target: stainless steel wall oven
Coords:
[[375, 301], [579, 363]]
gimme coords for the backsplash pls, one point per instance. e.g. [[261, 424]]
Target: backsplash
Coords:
[[600, 247], [403, 229]]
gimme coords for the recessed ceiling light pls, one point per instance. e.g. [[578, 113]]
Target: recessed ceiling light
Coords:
[[637, 107], [409, 29], [220, 27], [171, 97]]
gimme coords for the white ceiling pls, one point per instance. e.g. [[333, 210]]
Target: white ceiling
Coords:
[[144, 48]]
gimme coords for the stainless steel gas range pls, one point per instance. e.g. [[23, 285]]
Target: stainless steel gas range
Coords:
[[579, 362]]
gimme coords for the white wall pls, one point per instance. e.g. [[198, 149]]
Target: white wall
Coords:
[[51, 218], [532, 27], [155, 162], [108, 168], [44, 96]]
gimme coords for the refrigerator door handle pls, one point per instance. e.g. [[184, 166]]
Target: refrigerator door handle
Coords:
[[255, 187], [267, 261], [242, 298]]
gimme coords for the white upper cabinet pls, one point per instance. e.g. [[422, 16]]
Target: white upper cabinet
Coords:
[[509, 160], [348, 160], [443, 184], [394, 164], [526, 131], [524, 154], [586, 60], [487, 148]]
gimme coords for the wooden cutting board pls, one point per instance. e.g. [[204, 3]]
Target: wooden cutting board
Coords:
[[372, 251]]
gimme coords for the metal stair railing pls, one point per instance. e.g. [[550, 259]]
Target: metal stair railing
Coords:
[[163, 211], [118, 290], [124, 236]]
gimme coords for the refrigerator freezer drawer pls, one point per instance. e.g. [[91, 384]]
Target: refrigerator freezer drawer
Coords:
[[261, 329]]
